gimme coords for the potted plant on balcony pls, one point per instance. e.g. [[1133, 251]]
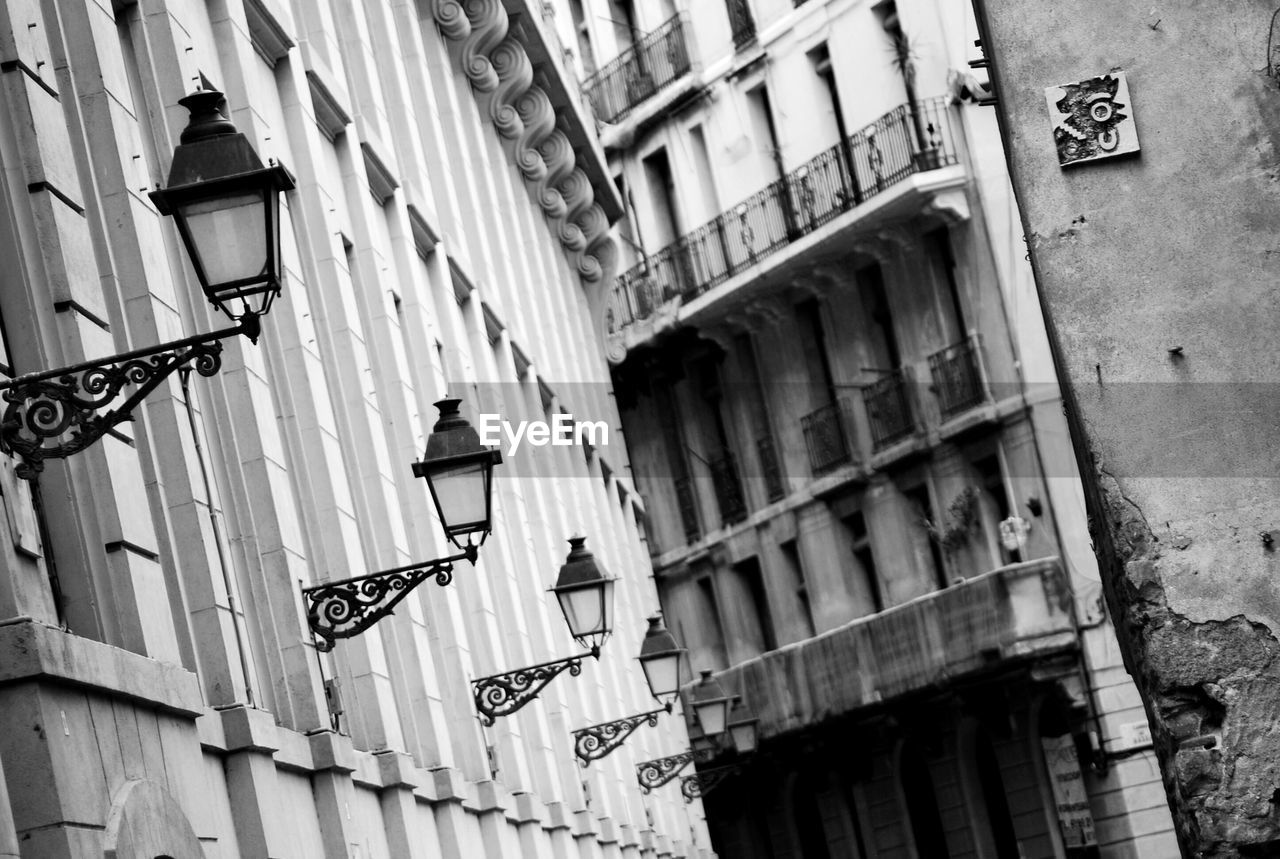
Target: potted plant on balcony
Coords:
[[928, 154]]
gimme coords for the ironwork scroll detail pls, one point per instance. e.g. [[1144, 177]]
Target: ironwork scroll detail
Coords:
[[504, 694], [701, 783], [593, 743], [656, 773], [347, 608], [47, 407]]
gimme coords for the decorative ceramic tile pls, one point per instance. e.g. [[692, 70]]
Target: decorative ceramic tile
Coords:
[[1092, 119]]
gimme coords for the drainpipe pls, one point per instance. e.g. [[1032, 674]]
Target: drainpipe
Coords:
[[232, 601]]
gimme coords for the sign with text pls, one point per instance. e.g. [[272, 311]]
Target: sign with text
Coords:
[[1069, 795]]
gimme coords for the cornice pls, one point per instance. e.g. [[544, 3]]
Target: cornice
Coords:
[[496, 58]]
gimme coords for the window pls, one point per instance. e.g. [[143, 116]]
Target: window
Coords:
[[662, 198], [791, 557], [924, 517], [761, 633], [922, 805], [996, 497], [584, 37], [875, 305], [708, 624], [864, 564], [814, 345], [764, 132]]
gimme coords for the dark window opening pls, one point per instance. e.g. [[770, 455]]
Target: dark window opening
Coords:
[[752, 580], [863, 559], [922, 806]]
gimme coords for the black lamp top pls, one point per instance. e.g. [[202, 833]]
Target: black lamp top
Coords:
[[658, 640], [580, 568], [708, 689]]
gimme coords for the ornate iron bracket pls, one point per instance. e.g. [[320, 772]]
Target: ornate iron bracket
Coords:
[[64, 402], [593, 743], [503, 694], [702, 783], [348, 607], [656, 773]]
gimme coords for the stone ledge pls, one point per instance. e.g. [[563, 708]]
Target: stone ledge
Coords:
[[36, 652]]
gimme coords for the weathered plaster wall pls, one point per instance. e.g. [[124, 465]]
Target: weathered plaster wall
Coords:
[[1173, 247]]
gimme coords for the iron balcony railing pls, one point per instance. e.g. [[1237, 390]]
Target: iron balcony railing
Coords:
[[828, 434], [728, 488], [688, 509], [888, 402], [741, 23], [639, 72], [1018, 612], [958, 380], [767, 453], [901, 143]]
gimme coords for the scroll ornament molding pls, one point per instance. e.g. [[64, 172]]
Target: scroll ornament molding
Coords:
[[498, 66]]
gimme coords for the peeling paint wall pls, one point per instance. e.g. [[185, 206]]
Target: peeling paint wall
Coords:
[[1158, 274]]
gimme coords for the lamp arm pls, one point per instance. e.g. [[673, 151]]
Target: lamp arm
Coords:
[[656, 773], [702, 783], [348, 607], [504, 694], [597, 741], [48, 404]]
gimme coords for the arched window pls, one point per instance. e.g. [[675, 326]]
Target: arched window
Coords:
[[922, 805]]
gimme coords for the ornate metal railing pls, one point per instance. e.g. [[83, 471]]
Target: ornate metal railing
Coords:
[[1016, 612], [741, 23], [688, 509], [639, 72], [888, 402], [899, 144], [767, 453], [957, 377], [828, 435], [728, 487]]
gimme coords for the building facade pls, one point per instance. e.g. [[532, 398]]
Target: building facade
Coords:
[[160, 692], [841, 411], [1152, 237]]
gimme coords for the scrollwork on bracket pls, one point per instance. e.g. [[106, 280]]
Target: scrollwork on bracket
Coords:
[[64, 404], [504, 694], [654, 774], [702, 783], [347, 608], [595, 742]]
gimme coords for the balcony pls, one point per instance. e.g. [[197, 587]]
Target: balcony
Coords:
[[958, 379], [898, 145], [1012, 614], [741, 23], [728, 489], [889, 409], [828, 435], [645, 68]]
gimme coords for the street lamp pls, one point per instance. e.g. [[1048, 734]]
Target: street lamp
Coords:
[[586, 598], [744, 729], [744, 735], [463, 496], [226, 206], [459, 473], [710, 704], [585, 595], [661, 658]]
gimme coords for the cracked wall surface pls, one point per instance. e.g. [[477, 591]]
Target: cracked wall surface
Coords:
[[1158, 273]]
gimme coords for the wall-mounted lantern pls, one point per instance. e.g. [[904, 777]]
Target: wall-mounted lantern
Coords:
[[585, 594], [661, 659], [226, 206], [459, 471]]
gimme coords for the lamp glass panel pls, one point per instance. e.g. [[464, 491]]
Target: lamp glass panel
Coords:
[[462, 495], [229, 235], [744, 737], [662, 674], [584, 610], [711, 716]]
